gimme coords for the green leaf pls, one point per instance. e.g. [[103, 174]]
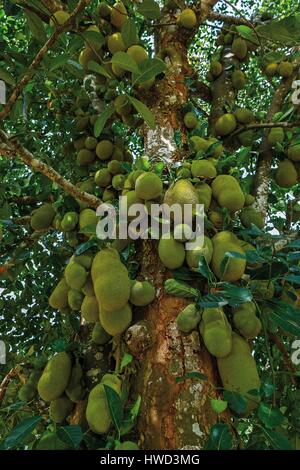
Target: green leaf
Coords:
[[286, 317], [286, 31], [149, 9], [191, 375], [36, 26], [204, 269], [130, 417], [115, 406], [71, 435], [247, 33], [126, 359], [180, 289], [267, 389], [97, 68], [144, 111], [149, 68], [219, 406], [94, 37], [226, 259], [86, 246], [237, 402], [102, 119], [7, 77], [271, 417], [292, 278], [129, 33], [125, 62], [277, 440], [22, 430], [211, 301], [220, 438], [59, 61], [234, 294]]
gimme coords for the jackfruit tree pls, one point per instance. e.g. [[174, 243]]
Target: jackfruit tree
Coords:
[[138, 342]]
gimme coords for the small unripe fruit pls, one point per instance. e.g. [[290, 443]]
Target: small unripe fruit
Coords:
[[188, 18]]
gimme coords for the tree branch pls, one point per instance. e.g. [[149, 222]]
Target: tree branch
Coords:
[[229, 19], [266, 125], [205, 8], [17, 149], [6, 381], [39, 57]]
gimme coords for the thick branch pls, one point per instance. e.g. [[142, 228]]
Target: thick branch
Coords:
[[37, 165], [228, 19], [206, 7], [266, 125], [39, 57]]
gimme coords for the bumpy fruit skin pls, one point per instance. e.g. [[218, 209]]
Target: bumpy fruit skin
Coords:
[[286, 174], [127, 445], [90, 309], [225, 124], [74, 390], [188, 318], [202, 249], [293, 151], [246, 321], [103, 261], [60, 409], [239, 48], [103, 178], [249, 199], [42, 217], [118, 15], [117, 321], [85, 157], [203, 169], [87, 217], [137, 53], [59, 297], [228, 193], [249, 216], [75, 275], [97, 411], [263, 289], [244, 115], [276, 135], [148, 186], [75, 298], [182, 232], [271, 69], [188, 19], [216, 68], [112, 289], [99, 335], [171, 253], [216, 332], [142, 293], [198, 143], [190, 120], [59, 18], [104, 149], [238, 79], [204, 192], [26, 392], [182, 192], [238, 371], [55, 377], [285, 69], [69, 221], [235, 267]]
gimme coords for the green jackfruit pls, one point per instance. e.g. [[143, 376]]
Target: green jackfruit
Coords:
[[215, 148], [171, 253], [239, 48], [276, 135], [182, 232], [55, 377], [238, 79], [104, 149], [204, 192], [216, 218], [285, 69], [105, 260], [99, 335], [203, 169], [75, 275], [115, 167], [204, 248], [115, 43], [137, 53], [249, 199], [75, 299], [90, 309], [112, 289], [271, 69], [293, 151], [216, 332], [190, 120], [243, 115], [103, 178], [187, 18], [42, 217], [216, 68], [182, 192], [87, 218], [198, 143], [117, 321], [69, 221], [246, 321], [246, 138], [127, 445], [262, 289], [74, 390], [97, 411], [60, 409], [104, 10], [118, 15], [88, 288], [238, 371], [85, 157], [148, 186], [249, 216], [228, 193], [118, 182], [142, 293], [59, 297], [286, 174], [188, 318], [90, 143], [86, 56], [59, 18], [234, 268], [84, 260], [27, 392], [225, 124]]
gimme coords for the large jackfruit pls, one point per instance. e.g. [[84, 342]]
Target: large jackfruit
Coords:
[[246, 321], [204, 192], [293, 151], [42, 217], [75, 275], [188, 318], [216, 332], [286, 174], [104, 260], [238, 371], [112, 289], [225, 124], [97, 411], [234, 267], [60, 409], [249, 216], [228, 193], [55, 377], [148, 186], [203, 169], [90, 309], [204, 248], [171, 252], [182, 192], [59, 297], [142, 293], [117, 321], [239, 48], [74, 390]]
